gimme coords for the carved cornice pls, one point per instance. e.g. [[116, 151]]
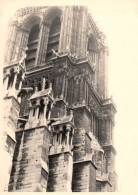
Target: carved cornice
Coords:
[[28, 10]]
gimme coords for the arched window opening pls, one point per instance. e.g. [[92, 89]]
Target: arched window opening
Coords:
[[64, 135], [32, 45], [39, 87], [33, 105], [91, 48], [53, 40], [11, 78], [47, 84], [41, 108], [57, 137], [34, 33], [19, 79], [33, 87], [48, 110]]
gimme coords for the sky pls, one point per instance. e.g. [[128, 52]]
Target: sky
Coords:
[[118, 19]]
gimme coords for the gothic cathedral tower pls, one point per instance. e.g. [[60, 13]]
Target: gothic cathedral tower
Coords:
[[59, 120]]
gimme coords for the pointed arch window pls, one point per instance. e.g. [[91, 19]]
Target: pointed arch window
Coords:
[[32, 45], [91, 48], [53, 40]]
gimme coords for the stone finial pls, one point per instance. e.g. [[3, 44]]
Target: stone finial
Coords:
[[43, 83]]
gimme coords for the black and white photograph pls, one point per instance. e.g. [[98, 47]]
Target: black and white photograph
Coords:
[[69, 96]]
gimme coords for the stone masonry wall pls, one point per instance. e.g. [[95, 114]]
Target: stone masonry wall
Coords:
[[60, 172], [84, 176], [29, 170]]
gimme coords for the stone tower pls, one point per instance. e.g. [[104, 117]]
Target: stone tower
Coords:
[[64, 122]]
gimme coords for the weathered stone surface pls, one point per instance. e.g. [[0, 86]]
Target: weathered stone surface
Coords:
[[84, 176], [60, 172], [58, 116]]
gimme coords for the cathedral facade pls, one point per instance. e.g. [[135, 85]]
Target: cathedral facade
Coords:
[[58, 118]]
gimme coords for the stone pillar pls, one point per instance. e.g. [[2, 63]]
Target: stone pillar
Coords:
[[74, 31], [81, 90], [11, 41], [16, 47], [42, 44], [63, 87], [20, 84], [45, 109], [102, 85], [24, 34], [43, 83], [66, 29], [60, 134], [84, 33], [68, 128], [37, 108], [31, 113], [92, 122], [15, 80]]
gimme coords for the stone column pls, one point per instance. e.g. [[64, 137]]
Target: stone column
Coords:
[[85, 90], [97, 133], [37, 108], [11, 41], [63, 87], [78, 37], [45, 109], [16, 47], [68, 128], [84, 33], [20, 84], [74, 31], [60, 134], [42, 44], [15, 80], [102, 74], [43, 83], [13, 90], [24, 34], [81, 90], [67, 137], [66, 30], [30, 111], [71, 140], [92, 123]]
